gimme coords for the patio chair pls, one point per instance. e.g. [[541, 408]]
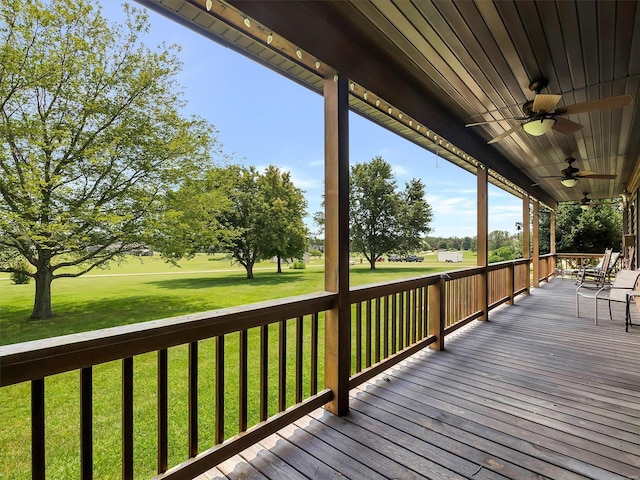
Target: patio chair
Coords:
[[574, 272], [597, 274], [624, 282]]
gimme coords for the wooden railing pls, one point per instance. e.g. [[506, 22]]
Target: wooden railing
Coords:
[[33, 361], [389, 322], [569, 263], [547, 267]]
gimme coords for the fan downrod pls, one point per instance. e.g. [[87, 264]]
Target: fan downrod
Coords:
[[538, 85]]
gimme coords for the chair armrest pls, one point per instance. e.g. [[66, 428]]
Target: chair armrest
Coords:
[[634, 294], [588, 291]]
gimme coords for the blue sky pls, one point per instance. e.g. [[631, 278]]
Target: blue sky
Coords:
[[264, 118]]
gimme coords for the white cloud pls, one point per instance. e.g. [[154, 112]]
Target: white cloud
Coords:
[[399, 171]]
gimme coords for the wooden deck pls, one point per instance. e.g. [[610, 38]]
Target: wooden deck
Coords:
[[534, 393]]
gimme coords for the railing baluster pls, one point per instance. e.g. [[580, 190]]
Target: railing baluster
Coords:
[[367, 333], [127, 418], [377, 329], [400, 320], [264, 369], [386, 326], [219, 389], [394, 335], [420, 312], [243, 369], [358, 337], [282, 366], [414, 315], [163, 406], [86, 423], [314, 354], [299, 333], [407, 319], [193, 399], [37, 429]]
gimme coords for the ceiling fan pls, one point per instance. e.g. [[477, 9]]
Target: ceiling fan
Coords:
[[571, 174], [541, 114], [586, 203]]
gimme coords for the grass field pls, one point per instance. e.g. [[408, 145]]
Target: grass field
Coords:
[[147, 288], [138, 290]]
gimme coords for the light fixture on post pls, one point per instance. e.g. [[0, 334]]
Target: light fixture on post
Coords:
[[625, 196], [569, 182], [539, 126]]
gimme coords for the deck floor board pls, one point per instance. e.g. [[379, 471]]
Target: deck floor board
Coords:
[[535, 393]]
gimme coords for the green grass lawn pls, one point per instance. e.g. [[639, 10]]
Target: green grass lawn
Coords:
[[147, 289]]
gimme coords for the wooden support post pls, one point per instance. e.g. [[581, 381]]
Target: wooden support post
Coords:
[[336, 276], [483, 240], [526, 228], [552, 232], [552, 241], [536, 244], [437, 313]]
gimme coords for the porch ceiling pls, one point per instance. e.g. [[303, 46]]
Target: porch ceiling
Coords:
[[446, 64]]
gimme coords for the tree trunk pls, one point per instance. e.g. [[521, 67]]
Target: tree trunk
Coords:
[[279, 264], [249, 268], [42, 302], [372, 262]]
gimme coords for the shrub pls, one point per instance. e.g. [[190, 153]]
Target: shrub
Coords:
[[298, 265]]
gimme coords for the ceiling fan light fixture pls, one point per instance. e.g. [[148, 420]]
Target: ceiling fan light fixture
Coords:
[[539, 127], [569, 182]]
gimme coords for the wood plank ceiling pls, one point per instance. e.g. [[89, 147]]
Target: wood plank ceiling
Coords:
[[438, 65]]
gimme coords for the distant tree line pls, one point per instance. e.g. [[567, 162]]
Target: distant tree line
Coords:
[[581, 230]]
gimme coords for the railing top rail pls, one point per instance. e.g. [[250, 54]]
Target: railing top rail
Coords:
[[507, 263], [579, 255], [37, 359], [382, 289], [377, 290]]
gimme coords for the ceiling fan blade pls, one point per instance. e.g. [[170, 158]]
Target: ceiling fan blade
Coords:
[[587, 174], [504, 134], [494, 121], [566, 126], [595, 105], [545, 102]]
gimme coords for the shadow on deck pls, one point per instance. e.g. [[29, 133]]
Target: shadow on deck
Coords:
[[534, 393]]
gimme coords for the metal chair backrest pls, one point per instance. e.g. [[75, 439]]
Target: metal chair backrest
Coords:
[[624, 282]]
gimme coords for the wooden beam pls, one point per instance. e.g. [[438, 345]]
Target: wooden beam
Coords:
[[483, 240], [336, 277], [536, 244]]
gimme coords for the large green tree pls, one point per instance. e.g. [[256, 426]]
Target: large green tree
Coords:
[[90, 137], [586, 231], [285, 233], [239, 210], [383, 219], [190, 221]]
